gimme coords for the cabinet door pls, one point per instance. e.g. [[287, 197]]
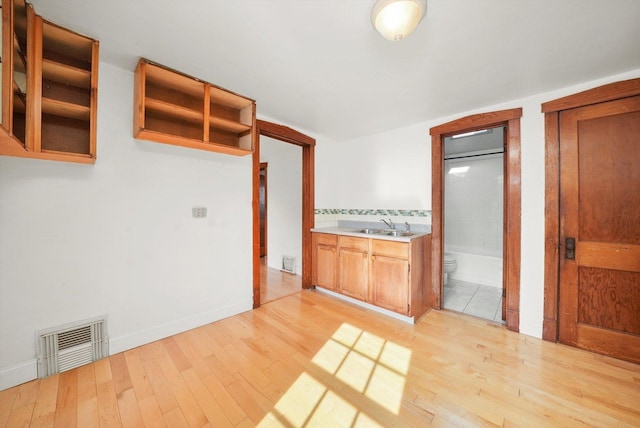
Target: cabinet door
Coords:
[[390, 283], [354, 273], [325, 266]]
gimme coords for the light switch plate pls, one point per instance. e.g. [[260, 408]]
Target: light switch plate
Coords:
[[199, 212]]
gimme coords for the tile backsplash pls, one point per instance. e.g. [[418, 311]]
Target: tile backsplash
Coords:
[[331, 217]]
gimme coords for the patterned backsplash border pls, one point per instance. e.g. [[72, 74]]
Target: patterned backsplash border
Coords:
[[403, 213]]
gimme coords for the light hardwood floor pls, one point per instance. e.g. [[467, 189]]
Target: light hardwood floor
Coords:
[[275, 284], [311, 360]]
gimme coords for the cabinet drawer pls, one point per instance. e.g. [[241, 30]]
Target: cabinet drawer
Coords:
[[360, 244], [389, 248], [325, 239]]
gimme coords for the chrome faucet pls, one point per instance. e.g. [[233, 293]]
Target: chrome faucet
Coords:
[[389, 223], [408, 226]]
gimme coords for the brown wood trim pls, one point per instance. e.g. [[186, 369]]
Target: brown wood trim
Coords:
[[206, 114], [264, 167], [93, 121], [552, 226], [476, 121], [255, 206], [33, 132], [437, 226], [284, 133], [512, 227], [604, 93], [308, 210], [609, 92], [7, 59], [511, 120], [288, 135], [139, 85]]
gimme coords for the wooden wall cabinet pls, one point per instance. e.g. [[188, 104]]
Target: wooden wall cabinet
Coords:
[[393, 275], [173, 108], [50, 84]]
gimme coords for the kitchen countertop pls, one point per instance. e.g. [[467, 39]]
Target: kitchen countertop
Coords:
[[350, 231]]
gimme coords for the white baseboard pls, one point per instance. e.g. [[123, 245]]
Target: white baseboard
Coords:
[[533, 329], [392, 314], [28, 370], [139, 338], [18, 374]]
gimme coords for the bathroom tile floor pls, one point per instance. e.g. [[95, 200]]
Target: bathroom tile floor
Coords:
[[474, 299]]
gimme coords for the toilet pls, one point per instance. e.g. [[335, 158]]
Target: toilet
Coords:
[[450, 265]]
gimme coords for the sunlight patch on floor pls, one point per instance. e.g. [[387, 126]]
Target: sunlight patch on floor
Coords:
[[362, 362]]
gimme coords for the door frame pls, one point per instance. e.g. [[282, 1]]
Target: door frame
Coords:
[[552, 247], [291, 136], [263, 167], [510, 120]]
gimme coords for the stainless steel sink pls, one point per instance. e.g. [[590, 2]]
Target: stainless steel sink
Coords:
[[399, 233], [388, 232], [370, 231]]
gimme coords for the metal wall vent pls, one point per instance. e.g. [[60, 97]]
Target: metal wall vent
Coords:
[[289, 264], [72, 345]]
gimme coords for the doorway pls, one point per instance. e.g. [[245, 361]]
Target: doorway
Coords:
[[473, 223], [291, 136], [592, 222], [281, 219], [510, 121]]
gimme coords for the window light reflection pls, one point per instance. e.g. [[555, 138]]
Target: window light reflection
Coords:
[[459, 170], [357, 362]]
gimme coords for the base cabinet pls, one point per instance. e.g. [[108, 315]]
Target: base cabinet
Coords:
[[324, 261], [389, 274], [390, 283], [353, 260]]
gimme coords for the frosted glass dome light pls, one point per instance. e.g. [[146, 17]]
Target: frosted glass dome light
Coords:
[[397, 19]]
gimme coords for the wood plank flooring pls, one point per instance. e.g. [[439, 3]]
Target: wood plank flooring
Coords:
[[311, 360], [275, 284]]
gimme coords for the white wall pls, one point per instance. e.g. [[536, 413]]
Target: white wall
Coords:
[[284, 201], [117, 238], [394, 169]]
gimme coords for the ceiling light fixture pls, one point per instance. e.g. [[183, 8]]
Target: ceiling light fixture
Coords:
[[397, 19]]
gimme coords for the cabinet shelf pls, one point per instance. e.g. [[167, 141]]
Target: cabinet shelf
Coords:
[[228, 99], [19, 61], [174, 108], [66, 74], [19, 99], [229, 125], [64, 109]]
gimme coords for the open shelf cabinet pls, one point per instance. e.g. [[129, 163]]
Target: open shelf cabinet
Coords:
[[173, 108], [54, 82]]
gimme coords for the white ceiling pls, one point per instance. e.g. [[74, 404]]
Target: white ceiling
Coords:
[[318, 65]]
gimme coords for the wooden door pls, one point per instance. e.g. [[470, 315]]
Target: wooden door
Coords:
[[599, 301], [390, 283], [354, 273]]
